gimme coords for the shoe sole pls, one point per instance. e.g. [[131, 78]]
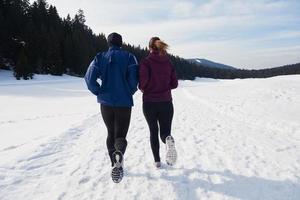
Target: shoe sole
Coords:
[[117, 174], [171, 155], [117, 170]]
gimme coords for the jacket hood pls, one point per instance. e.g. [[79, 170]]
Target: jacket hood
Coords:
[[154, 55], [111, 52]]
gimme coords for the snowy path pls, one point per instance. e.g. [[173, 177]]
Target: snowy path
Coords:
[[236, 140]]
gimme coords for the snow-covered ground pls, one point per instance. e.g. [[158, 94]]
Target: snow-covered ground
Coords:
[[236, 139]]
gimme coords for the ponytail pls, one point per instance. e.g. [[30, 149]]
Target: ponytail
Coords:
[[158, 45]]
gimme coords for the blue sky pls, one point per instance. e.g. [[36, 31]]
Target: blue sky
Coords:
[[248, 34]]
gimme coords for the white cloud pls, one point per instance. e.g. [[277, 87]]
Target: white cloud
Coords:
[[182, 9]]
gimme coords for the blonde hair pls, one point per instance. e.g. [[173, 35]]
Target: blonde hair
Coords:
[[158, 45]]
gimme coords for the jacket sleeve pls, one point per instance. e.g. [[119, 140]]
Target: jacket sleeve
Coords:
[[174, 81], [92, 75], [132, 73], [143, 75]]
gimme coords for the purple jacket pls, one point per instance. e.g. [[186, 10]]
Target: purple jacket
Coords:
[[156, 78]]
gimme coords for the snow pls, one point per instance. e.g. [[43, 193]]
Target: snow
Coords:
[[236, 139], [199, 61]]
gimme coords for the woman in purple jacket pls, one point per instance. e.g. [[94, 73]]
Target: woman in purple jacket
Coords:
[[156, 79]]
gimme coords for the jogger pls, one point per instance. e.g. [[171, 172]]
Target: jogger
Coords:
[[117, 70], [157, 78]]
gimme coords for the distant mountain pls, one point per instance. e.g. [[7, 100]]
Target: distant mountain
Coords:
[[208, 63]]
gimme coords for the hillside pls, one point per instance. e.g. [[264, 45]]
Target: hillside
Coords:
[[209, 63]]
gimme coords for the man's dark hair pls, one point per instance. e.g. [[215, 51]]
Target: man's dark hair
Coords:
[[114, 39]]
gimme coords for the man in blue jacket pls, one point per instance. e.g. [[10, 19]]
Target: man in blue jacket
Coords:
[[118, 70]]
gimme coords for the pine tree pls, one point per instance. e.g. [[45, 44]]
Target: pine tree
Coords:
[[80, 17], [22, 68], [54, 56], [2, 28]]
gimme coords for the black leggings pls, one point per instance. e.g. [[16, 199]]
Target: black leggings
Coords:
[[117, 121], [158, 113]]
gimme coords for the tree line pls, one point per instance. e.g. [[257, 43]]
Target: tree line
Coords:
[[35, 39], [219, 73]]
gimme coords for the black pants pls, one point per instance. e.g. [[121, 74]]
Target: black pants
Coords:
[[117, 121], [158, 113]]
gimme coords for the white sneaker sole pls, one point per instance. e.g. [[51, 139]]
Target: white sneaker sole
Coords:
[[171, 155]]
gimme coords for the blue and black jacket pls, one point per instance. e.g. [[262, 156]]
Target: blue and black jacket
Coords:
[[118, 71]]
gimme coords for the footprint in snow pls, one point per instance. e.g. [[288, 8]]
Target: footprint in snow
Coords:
[[84, 180]]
